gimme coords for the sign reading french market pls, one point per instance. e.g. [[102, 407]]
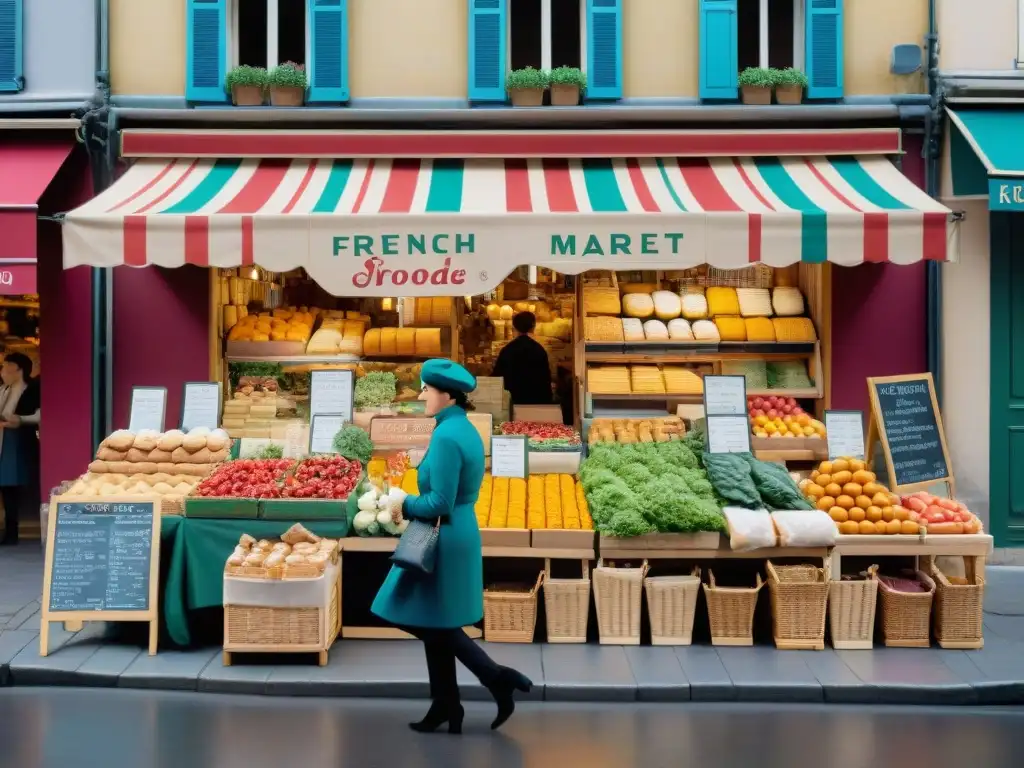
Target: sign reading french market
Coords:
[[1006, 194]]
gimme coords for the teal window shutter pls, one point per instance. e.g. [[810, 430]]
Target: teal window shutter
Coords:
[[11, 72], [719, 49], [487, 26], [824, 39], [604, 49], [328, 80], [206, 42]]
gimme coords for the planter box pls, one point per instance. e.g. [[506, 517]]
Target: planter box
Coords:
[[505, 537], [527, 97], [755, 95], [221, 509], [565, 95], [247, 95], [789, 94], [564, 539], [287, 96]]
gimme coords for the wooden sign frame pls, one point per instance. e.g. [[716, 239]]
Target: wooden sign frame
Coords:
[[76, 618], [876, 432]]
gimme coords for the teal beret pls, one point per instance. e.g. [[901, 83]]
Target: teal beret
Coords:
[[445, 374]]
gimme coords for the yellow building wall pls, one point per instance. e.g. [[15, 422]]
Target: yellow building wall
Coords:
[[147, 47], [872, 28], [403, 49], [660, 48]]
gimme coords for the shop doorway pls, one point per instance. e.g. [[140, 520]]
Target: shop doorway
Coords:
[[1006, 440]]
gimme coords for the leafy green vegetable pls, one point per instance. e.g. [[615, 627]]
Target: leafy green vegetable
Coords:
[[776, 487], [616, 510], [272, 451], [354, 444], [595, 477], [636, 476], [694, 440], [375, 389], [670, 511], [729, 473]]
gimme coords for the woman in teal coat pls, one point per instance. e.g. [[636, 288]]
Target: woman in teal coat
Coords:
[[435, 607]]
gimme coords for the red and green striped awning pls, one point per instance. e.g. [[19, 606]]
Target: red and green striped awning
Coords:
[[456, 226]]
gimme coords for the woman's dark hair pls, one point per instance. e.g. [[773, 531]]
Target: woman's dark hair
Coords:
[[22, 361], [460, 399], [524, 322]]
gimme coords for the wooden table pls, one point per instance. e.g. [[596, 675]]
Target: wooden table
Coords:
[[978, 546]]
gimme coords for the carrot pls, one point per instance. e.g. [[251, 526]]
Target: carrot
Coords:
[[945, 528]]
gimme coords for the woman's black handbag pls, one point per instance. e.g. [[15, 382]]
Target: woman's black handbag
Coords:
[[417, 547]]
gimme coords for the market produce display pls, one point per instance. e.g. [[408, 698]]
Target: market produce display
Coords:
[[298, 554], [634, 489], [258, 407], [375, 389], [285, 324], [402, 342], [774, 416], [941, 516], [540, 502], [543, 436], [318, 477], [407, 379], [169, 453], [856, 501], [653, 430], [743, 481], [353, 444], [375, 517]]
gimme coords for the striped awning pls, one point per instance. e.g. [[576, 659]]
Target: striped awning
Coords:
[[427, 227]]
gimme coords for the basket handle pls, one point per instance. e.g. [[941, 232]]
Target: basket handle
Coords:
[[644, 569], [759, 583], [540, 580], [547, 567], [696, 572], [711, 578], [586, 569]]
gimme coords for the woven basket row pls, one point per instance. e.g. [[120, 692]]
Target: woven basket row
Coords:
[[510, 615]]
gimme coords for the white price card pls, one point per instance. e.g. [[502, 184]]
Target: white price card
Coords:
[[844, 431], [331, 392], [149, 408], [728, 434], [725, 396], [510, 456], [296, 440], [322, 430], [200, 405]]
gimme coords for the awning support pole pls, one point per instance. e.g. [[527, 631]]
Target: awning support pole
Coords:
[[933, 153]]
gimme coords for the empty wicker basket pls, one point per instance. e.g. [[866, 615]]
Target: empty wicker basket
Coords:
[[510, 612], [851, 612], [906, 616], [672, 604], [958, 608], [731, 612], [799, 601], [567, 606], [617, 596]]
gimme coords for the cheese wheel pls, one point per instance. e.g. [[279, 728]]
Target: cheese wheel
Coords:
[[639, 305], [371, 342], [679, 329], [632, 329], [406, 342], [389, 341], [428, 342], [667, 305], [655, 330]]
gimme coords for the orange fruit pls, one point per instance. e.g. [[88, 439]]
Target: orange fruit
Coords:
[[888, 514], [872, 488], [874, 514], [909, 528], [825, 503], [833, 490], [881, 500], [814, 474], [846, 502], [901, 513], [863, 476], [880, 527], [839, 514], [853, 489], [840, 465], [867, 527], [825, 468], [814, 490], [849, 528], [842, 477], [823, 480], [863, 502], [857, 465], [857, 514], [893, 526], [894, 499]]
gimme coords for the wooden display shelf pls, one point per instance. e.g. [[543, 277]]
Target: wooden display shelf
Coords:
[[786, 456], [686, 349], [698, 546], [388, 544], [797, 394], [295, 359], [977, 545]]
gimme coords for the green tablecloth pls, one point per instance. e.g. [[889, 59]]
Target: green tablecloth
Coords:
[[197, 549]]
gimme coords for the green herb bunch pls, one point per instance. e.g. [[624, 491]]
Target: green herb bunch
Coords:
[[569, 76], [790, 76], [244, 75], [354, 444], [288, 75], [527, 78], [758, 77]]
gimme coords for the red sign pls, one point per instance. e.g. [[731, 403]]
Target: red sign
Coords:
[[16, 279]]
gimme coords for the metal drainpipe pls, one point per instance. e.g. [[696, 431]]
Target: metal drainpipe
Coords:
[[933, 152]]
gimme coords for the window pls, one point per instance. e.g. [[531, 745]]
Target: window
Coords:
[[544, 34], [265, 33], [11, 77], [770, 34]]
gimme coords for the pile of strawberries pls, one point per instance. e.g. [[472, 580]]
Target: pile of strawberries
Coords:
[[318, 477]]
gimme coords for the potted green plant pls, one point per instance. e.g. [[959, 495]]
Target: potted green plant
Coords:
[[288, 85], [526, 86], [789, 86], [756, 85], [246, 85], [567, 83]]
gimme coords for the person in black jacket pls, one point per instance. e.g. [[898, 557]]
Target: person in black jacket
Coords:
[[19, 444], [524, 365]]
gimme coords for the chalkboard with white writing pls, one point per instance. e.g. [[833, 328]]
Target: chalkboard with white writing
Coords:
[[101, 556], [909, 425]]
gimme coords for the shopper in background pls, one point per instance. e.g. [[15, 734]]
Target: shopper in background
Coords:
[[19, 443], [524, 366], [435, 607]]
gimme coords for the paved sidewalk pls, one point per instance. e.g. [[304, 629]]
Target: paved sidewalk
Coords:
[[396, 669]]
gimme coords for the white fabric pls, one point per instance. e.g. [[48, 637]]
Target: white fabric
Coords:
[[803, 528], [281, 593]]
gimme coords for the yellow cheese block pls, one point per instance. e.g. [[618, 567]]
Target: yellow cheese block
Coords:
[[262, 411], [352, 328], [258, 433], [233, 423], [406, 341], [371, 342], [422, 311], [428, 342], [237, 408], [440, 310], [389, 341]]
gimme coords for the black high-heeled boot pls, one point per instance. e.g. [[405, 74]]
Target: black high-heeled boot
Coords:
[[503, 690], [440, 713]]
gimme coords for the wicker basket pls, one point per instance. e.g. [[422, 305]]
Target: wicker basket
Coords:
[[672, 604], [851, 612], [958, 608], [567, 606], [757, 276], [799, 601], [617, 596], [510, 613], [731, 612], [906, 616]]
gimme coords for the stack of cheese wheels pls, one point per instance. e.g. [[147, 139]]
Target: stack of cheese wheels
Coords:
[[440, 310], [169, 453], [428, 342]]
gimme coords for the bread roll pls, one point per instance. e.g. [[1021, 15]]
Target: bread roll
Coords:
[[121, 440], [170, 440], [98, 466], [216, 457], [145, 443], [136, 455], [202, 456], [294, 559], [145, 467], [124, 468], [166, 468], [256, 558], [110, 454], [193, 442], [159, 456], [217, 442], [246, 541], [162, 488]]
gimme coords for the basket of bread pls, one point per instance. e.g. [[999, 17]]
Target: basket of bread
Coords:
[[298, 555]]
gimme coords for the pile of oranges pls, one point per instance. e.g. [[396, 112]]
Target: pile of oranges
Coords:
[[853, 498]]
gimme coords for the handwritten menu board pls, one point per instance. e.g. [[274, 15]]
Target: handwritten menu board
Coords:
[[101, 563], [148, 409], [400, 433], [331, 392], [905, 416], [200, 405], [845, 431]]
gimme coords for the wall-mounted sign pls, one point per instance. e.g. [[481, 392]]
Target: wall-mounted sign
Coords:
[[331, 392], [148, 409], [200, 405], [1006, 194], [725, 396], [322, 430]]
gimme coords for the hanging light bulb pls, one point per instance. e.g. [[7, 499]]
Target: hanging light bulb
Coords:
[[385, 304], [255, 274]]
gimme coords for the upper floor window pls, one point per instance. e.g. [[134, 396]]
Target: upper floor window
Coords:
[[264, 33], [805, 34], [546, 33], [11, 69]]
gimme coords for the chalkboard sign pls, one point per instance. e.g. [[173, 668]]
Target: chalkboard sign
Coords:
[[102, 562], [905, 418]]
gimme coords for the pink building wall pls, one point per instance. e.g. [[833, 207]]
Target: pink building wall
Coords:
[[161, 334], [879, 315]]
